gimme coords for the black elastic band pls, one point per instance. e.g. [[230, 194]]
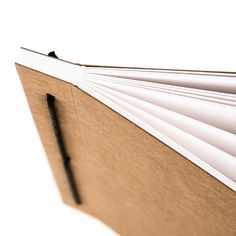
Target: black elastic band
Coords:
[[64, 156], [52, 54]]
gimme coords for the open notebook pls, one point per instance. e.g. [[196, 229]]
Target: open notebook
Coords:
[[193, 112]]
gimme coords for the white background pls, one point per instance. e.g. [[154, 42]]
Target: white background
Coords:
[[164, 34]]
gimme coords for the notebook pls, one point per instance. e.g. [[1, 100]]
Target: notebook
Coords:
[[141, 135]]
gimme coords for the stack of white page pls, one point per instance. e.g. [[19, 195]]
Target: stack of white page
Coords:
[[193, 112]]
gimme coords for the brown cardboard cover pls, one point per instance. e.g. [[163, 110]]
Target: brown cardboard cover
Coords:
[[127, 178]]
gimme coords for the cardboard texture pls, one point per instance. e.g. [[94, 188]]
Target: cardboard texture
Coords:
[[128, 179]]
